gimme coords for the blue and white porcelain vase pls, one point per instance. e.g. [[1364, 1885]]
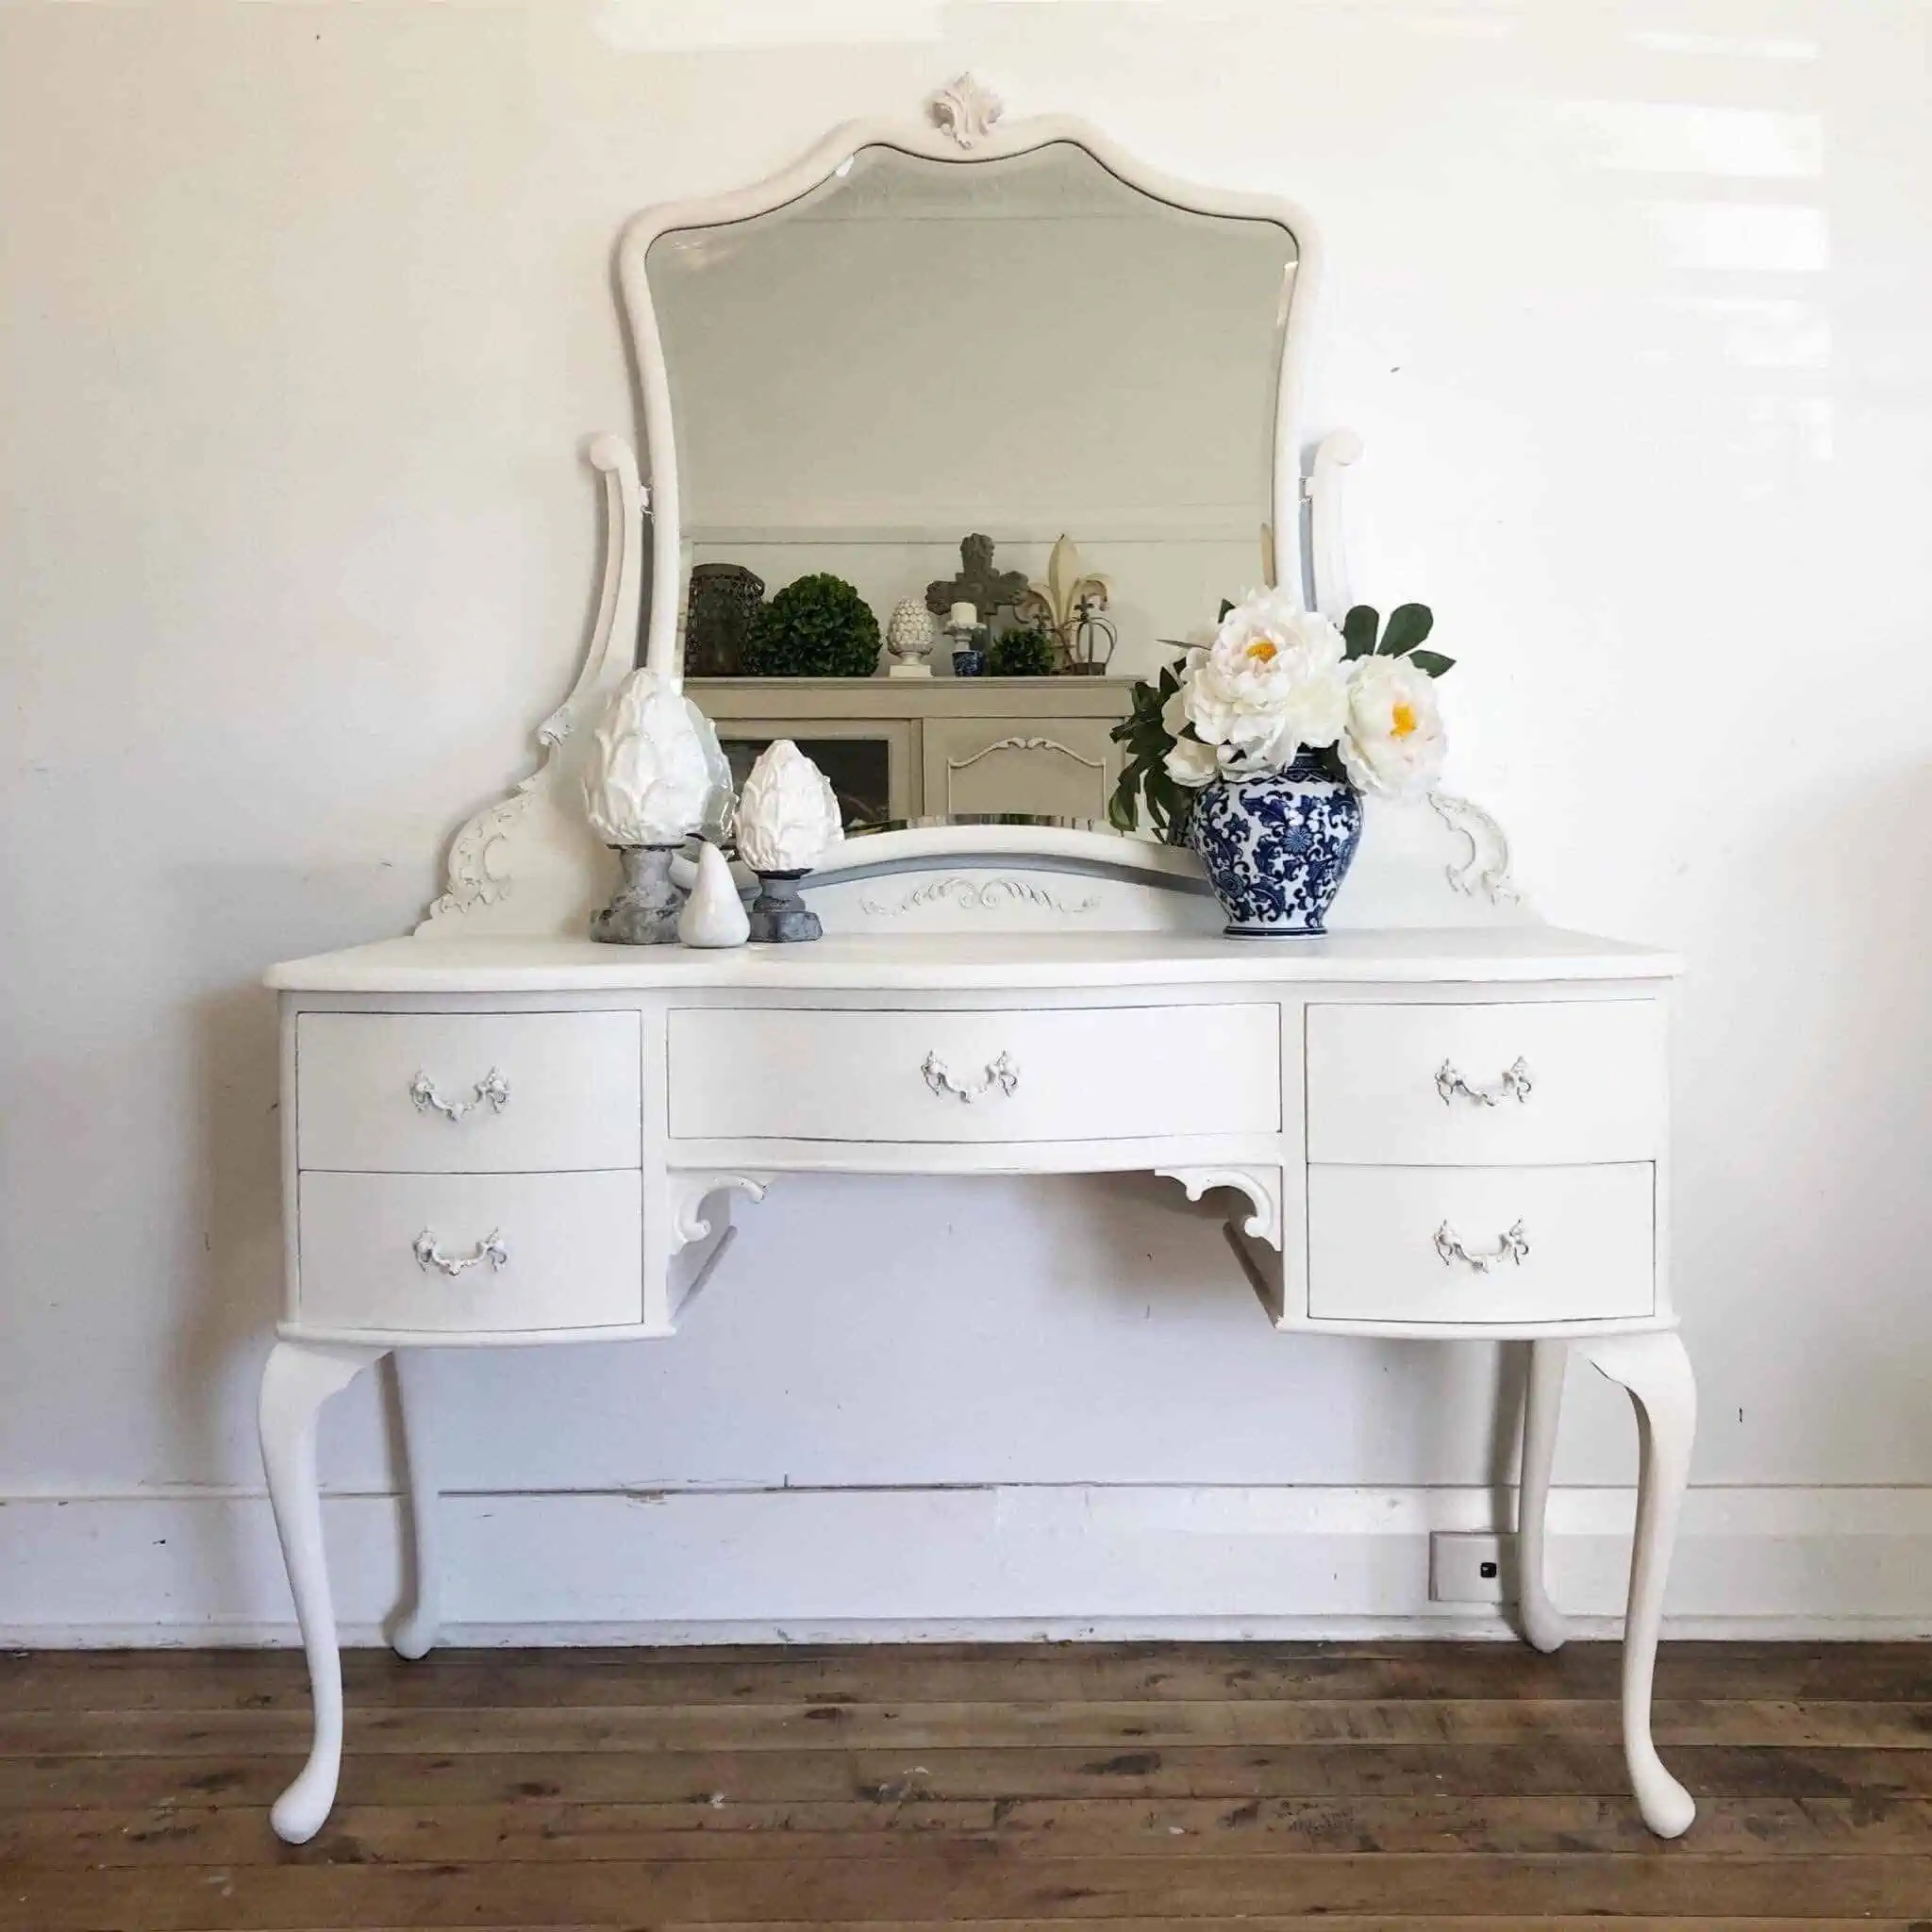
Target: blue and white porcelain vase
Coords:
[[1277, 847]]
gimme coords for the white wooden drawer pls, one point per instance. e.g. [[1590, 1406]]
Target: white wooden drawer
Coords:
[[1554, 1243], [1080, 1074], [1525, 1084], [571, 1248], [467, 1092]]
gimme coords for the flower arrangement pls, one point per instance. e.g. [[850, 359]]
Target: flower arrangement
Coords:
[[1279, 685]]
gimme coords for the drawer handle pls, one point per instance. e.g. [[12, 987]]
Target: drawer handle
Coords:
[[428, 1256], [1515, 1084], [1512, 1246], [491, 1088], [1001, 1073]]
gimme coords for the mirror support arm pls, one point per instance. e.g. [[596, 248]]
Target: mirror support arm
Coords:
[[1327, 537]]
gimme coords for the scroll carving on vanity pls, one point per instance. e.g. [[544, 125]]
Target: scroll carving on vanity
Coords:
[[1444, 1120]]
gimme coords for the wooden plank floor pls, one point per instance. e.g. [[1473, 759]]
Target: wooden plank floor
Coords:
[[1213, 1786]]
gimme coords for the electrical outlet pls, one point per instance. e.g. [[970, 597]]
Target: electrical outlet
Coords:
[[1471, 1566]]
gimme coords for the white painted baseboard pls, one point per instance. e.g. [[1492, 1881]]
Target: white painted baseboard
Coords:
[[1060, 1561]]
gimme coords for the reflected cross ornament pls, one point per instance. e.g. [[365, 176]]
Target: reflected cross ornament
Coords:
[[978, 583]]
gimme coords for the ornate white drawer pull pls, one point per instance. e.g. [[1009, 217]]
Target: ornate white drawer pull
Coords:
[[1001, 1073], [1513, 1246], [491, 1088], [428, 1256], [1514, 1085]]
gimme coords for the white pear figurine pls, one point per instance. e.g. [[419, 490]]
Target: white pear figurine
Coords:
[[713, 913]]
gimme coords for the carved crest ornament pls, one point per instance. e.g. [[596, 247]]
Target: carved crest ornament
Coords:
[[966, 109]]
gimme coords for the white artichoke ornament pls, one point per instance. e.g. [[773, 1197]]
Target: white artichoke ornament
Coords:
[[912, 632], [657, 772], [787, 813]]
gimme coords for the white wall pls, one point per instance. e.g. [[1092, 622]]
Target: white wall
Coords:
[[303, 311]]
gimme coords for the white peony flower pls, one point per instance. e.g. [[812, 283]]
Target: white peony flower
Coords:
[[1272, 681], [1191, 763], [1394, 743]]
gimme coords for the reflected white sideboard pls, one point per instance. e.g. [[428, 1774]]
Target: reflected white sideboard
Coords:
[[936, 746]]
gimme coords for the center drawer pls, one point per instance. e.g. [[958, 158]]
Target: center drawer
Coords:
[[1075, 1074]]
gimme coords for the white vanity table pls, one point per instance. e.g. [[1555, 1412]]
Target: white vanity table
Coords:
[[1445, 1120]]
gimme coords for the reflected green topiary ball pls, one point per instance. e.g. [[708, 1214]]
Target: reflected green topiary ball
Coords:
[[1023, 654], [819, 626]]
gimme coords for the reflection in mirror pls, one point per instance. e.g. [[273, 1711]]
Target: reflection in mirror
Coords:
[[917, 350], [857, 769]]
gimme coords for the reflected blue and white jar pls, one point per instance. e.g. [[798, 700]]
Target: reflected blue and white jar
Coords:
[[1277, 848]]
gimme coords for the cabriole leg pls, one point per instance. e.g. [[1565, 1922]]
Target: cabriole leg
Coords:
[[299, 1378], [1657, 1372], [413, 1630], [1542, 1622]]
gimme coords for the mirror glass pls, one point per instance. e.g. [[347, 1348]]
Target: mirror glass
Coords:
[[921, 351]]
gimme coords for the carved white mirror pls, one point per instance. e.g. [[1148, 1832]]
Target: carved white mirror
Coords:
[[915, 335], [923, 330]]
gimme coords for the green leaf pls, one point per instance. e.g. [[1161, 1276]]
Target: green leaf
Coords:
[[1358, 630], [1432, 662], [1165, 796], [1408, 624], [1226, 605]]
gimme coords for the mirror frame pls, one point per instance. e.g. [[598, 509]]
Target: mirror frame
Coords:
[[527, 862], [964, 127]]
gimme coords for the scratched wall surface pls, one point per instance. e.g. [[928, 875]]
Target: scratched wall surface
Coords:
[[304, 311]]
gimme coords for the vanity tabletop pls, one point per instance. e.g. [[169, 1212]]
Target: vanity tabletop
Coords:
[[966, 963]]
